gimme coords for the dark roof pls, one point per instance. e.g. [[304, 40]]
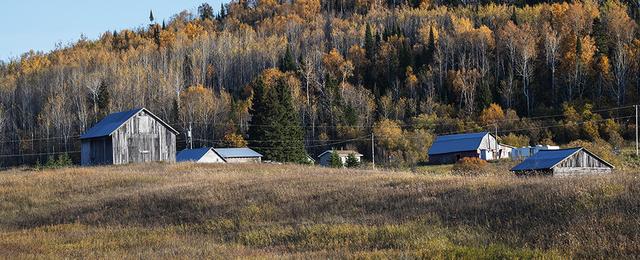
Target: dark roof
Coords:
[[236, 153], [457, 143], [547, 159], [342, 153], [112, 122], [192, 155]]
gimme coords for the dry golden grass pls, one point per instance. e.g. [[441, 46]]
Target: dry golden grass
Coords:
[[257, 211]]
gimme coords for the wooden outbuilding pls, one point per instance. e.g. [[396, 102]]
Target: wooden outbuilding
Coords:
[[133, 136], [447, 149], [200, 155], [563, 162]]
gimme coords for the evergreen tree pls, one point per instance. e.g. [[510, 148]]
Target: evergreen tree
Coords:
[[205, 11], [288, 63], [104, 100], [222, 12], [601, 37], [335, 161], [151, 18], [514, 16], [352, 161], [275, 129], [369, 43], [292, 131], [164, 27], [431, 48]]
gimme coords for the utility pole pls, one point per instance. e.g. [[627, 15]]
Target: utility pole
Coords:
[[497, 152], [637, 151], [190, 137], [373, 152]]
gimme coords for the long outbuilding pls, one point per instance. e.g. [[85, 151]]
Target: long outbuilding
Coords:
[[563, 162], [448, 149], [200, 155]]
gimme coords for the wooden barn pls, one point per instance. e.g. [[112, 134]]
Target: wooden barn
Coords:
[[563, 162], [200, 155], [133, 136], [447, 149]]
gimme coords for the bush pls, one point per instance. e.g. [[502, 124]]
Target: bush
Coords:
[[63, 160], [470, 166], [335, 161], [352, 161]]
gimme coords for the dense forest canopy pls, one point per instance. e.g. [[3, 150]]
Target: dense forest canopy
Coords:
[[535, 72]]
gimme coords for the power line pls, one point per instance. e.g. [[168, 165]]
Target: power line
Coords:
[[37, 154]]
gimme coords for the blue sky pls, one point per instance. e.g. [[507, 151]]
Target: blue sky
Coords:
[[40, 24]]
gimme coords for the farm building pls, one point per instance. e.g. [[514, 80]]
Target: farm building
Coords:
[[451, 148], [132, 136], [239, 155], [562, 162], [526, 152], [325, 158], [200, 155]]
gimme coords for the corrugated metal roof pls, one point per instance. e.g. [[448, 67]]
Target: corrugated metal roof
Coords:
[[237, 152], [188, 155], [456, 143], [545, 159], [112, 122]]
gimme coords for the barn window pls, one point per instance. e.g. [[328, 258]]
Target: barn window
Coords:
[[144, 124]]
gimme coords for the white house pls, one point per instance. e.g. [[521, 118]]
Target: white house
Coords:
[[325, 158]]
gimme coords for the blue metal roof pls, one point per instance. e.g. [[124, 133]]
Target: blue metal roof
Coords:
[[457, 143], [545, 159], [236, 152], [109, 124], [188, 155], [112, 122]]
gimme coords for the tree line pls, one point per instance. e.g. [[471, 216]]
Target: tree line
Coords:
[[402, 70]]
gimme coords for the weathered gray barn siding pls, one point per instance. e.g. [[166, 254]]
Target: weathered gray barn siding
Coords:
[[581, 163], [143, 139]]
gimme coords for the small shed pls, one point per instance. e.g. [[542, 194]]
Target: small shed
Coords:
[[325, 158], [133, 136], [562, 162], [200, 155], [448, 149], [239, 155]]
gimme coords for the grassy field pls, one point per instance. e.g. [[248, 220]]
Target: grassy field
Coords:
[[224, 211]]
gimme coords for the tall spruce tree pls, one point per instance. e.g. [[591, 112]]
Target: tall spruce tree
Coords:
[[369, 43], [431, 47], [288, 63], [275, 129]]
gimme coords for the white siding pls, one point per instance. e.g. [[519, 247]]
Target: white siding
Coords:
[[211, 157]]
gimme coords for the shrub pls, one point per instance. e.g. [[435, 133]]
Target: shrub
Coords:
[[470, 165], [335, 161], [352, 161]]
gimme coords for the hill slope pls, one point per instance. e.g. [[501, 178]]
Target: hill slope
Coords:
[[189, 210]]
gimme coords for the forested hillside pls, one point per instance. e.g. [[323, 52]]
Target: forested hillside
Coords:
[[406, 71]]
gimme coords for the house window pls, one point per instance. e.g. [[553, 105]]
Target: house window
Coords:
[[144, 124]]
